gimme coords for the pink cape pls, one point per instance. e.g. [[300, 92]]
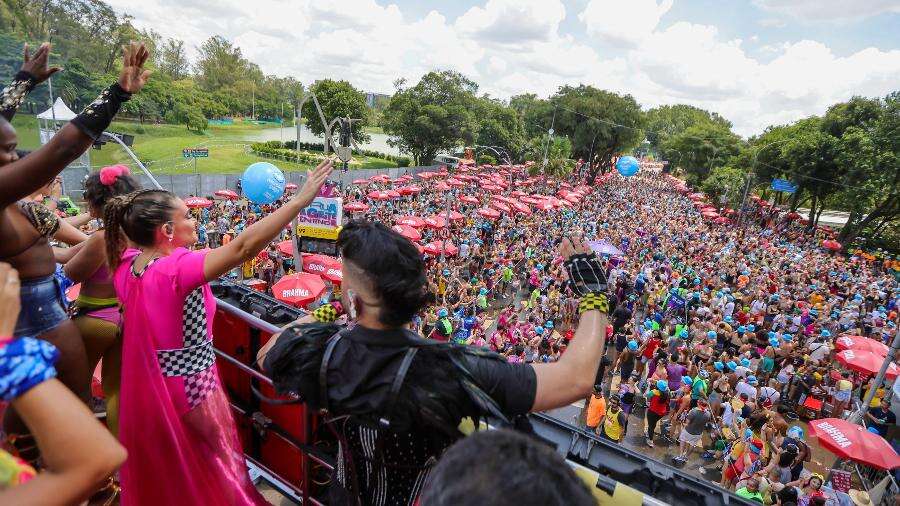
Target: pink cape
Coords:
[[176, 454]]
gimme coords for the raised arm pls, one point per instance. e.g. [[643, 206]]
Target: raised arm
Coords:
[[257, 236], [572, 377], [34, 71], [23, 177]]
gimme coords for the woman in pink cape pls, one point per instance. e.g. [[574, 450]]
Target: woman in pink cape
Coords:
[[175, 420]]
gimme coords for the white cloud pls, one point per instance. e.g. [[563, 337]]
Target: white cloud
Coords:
[[512, 47], [623, 23], [830, 10]]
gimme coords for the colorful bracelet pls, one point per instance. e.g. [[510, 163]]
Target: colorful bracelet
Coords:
[[24, 364], [593, 301], [328, 313], [13, 95], [97, 116]]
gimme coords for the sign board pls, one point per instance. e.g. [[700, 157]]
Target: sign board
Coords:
[[323, 212], [318, 232], [783, 185], [195, 153]]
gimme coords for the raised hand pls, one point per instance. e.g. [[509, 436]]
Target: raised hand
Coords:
[[134, 76], [36, 64], [314, 181]]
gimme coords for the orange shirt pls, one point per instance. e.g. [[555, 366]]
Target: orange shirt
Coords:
[[596, 410]]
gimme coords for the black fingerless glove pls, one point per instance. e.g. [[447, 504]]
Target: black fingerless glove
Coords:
[[586, 274], [13, 95], [97, 116]]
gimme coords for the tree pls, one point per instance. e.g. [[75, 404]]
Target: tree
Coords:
[[337, 99], [188, 115], [727, 182], [533, 111], [599, 123], [666, 121], [437, 114], [499, 125], [699, 148], [173, 60], [220, 64]]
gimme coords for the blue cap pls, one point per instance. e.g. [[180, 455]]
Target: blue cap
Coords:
[[686, 380], [745, 362], [748, 433], [728, 319], [773, 342], [773, 335], [632, 345], [711, 334], [683, 334], [752, 380], [442, 313], [826, 333], [648, 324], [549, 324], [446, 272], [539, 267], [483, 291], [731, 365], [787, 337], [662, 385], [741, 329], [751, 328], [719, 366], [795, 432], [539, 330]]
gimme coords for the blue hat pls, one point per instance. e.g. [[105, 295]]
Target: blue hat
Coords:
[[795, 432], [648, 324], [826, 333], [446, 272], [549, 324], [787, 337], [686, 380], [728, 319], [662, 385], [773, 335], [748, 433], [745, 362], [741, 329], [683, 334], [751, 328], [632, 345], [731, 365], [719, 366], [442, 313], [703, 373], [539, 267], [774, 342], [752, 380], [483, 291], [539, 330], [711, 334]]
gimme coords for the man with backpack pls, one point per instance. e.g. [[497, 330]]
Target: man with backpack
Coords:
[[394, 399]]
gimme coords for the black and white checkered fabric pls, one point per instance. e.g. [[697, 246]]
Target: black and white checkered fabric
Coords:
[[195, 360]]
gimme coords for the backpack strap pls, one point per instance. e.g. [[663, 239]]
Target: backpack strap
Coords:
[[385, 421], [323, 368]]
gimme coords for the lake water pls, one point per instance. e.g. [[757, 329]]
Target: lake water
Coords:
[[377, 143]]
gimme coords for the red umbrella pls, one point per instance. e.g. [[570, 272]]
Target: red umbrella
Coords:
[[544, 205], [408, 232], [489, 213], [866, 362], [831, 244], [793, 215], [720, 220], [850, 441], [848, 342], [434, 249], [362, 182], [456, 216], [491, 188], [521, 208], [299, 289], [455, 182], [327, 267], [394, 194], [501, 206], [435, 222], [197, 202], [356, 207], [468, 199], [286, 248], [425, 175], [380, 178], [518, 193], [411, 221], [410, 190], [442, 187], [379, 195], [228, 194]]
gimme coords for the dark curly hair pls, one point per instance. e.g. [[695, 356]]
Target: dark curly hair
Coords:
[[392, 264], [98, 194]]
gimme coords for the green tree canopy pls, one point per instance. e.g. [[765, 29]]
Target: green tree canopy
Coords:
[[699, 148], [727, 182], [666, 121], [437, 114], [499, 125], [337, 99]]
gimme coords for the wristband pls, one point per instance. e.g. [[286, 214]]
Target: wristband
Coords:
[[13, 95], [24, 364], [593, 301], [94, 119], [327, 313]]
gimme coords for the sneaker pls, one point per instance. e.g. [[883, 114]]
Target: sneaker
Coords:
[[649, 442]]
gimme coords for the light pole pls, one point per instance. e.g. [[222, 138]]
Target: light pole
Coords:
[[752, 174], [496, 150]]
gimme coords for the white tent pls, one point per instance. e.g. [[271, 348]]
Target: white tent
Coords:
[[59, 112]]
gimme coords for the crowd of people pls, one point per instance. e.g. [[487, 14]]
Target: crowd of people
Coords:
[[718, 334]]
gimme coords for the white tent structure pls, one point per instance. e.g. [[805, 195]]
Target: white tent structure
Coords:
[[49, 122]]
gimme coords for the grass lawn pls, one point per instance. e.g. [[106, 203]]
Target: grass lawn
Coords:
[[161, 146]]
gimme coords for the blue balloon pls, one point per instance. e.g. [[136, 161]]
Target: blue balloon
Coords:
[[627, 166], [262, 183]]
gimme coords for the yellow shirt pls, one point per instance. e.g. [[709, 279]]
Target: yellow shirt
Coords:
[[612, 427]]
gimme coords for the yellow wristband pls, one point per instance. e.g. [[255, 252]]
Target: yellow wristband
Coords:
[[593, 301]]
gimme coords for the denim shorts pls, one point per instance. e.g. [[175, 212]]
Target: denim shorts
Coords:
[[43, 307]]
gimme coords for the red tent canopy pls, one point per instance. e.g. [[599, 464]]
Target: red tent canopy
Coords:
[[408, 232], [866, 362], [831, 244], [435, 222], [356, 207], [410, 190], [379, 195], [327, 267], [489, 213], [442, 187], [362, 182], [298, 289], [456, 216], [197, 202], [469, 199], [502, 206], [850, 441]]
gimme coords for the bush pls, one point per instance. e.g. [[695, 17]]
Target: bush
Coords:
[[403, 161]]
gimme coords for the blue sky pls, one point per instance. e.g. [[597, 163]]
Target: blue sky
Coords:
[[756, 62]]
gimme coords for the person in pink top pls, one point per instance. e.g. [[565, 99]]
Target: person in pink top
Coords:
[[175, 420]]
